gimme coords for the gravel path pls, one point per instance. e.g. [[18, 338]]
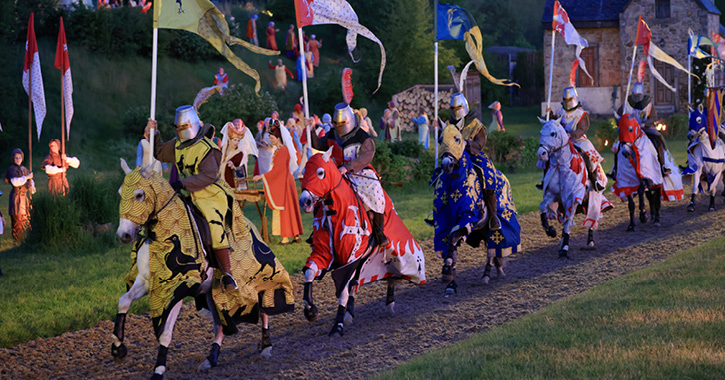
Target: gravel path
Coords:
[[424, 319]]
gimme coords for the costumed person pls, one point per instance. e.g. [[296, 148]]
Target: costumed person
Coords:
[[290, 43], [266, 150], [314, 46], [422, 122], [309, 58], [641, 108], [496, 118], [303, 65], [575, 121], [280, 189], [358, 150], [326, 122], [271, 40], [143, 150], [237, 146], [475, 134], [221, 80], [280, 75], [394, 123], [298, 113], [23, 187], [55, 165], [252, 30], [197, 160], [385, 124], [368, 125]]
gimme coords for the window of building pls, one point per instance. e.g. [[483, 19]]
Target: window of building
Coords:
[[662, 8], [589, 56]]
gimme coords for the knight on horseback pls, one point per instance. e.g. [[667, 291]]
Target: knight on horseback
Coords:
[[475, 134], [358, 149], [575, 121], [197, 160]]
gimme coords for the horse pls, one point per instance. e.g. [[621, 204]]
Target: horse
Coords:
[[342, 242], [169, 263], [706, 158], [638, 171], [458, 208], [567, 189]]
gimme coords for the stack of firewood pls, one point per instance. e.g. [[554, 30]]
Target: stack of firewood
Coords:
[[415, 97]]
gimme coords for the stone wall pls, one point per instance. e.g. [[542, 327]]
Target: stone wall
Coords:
[[669, 34], [606, 71]]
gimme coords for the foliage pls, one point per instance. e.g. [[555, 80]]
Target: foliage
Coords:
[[237, 102], [606, 133], [510, 150], [677, 126], [403, 161]]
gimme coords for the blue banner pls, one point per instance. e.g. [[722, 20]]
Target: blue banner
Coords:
[[453, 22]]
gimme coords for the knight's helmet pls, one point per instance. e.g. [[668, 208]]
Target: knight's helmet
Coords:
[[570, 99], [187, 123], [344, 119], [638, 91], [459, 106]]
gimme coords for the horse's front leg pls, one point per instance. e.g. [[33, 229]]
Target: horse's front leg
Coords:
[[213, 359], [390, 297], [642, 209], [265, 347], [548, 199], [564, 250], [139, 289], [310, 310], [630, 204], [164, 341], [338, 326]]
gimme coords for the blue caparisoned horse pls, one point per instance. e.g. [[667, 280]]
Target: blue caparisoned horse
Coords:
[[705, 158], [566, 186], [457, 209]]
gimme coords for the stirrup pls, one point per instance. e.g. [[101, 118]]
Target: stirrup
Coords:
[[229, 282], [665, 170], [429, 220], [540, 185], [598, 186]]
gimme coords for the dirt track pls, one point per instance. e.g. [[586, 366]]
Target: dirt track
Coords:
[[424, 320]]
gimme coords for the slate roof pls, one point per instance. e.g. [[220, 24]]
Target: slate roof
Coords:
[[599, 12]]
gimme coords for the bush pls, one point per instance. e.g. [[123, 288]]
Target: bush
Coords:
[[677, 126], [511, 151], [238, 102], [403, 161], [606, 134]]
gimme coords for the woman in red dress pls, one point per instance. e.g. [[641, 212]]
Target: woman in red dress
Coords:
[[271, 40], [281, 191]]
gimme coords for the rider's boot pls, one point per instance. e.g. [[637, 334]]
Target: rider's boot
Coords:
[[540, 185], [613, 173], [378, 228], [593, 174], [222, 257], [489, 197]]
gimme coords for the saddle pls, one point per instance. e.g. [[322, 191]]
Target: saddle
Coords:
[[202, 229]]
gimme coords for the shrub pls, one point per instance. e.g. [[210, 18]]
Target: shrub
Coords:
[[677, 126], [606, 133], [511, 151], [238, 102]]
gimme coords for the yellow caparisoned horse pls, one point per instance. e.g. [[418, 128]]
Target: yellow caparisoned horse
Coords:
[[169, 264]]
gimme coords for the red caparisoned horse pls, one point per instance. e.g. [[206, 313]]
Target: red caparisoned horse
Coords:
[[342, 242]]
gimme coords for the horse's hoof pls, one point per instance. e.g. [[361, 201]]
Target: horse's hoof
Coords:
[[266, 352], [657, 223], [205, 366], [711, 208], [631, 228], [564, 254], [337, 328], [589, 247], [119, 352], [390, 308], [348, 318], [500, 273], [310, 312], [643, 217], [551, 232], [157, 376], [691, 207], [451, 289], [448, 273], [486, 280]]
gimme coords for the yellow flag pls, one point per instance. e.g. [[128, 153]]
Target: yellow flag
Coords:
[[203, 18], [474, 46]]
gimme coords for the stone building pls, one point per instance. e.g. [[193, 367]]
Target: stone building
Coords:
[[610, 27]]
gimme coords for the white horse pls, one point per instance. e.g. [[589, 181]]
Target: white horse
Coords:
[[566, 186], [706, 159]]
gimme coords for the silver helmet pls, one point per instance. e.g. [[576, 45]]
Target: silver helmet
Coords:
[[343, 119], [187, 123], [638, 91], [570, 98], [459, 106]]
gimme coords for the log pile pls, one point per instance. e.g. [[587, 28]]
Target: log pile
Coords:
[[420, 95]]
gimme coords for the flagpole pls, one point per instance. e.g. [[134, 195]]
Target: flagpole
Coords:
[[436, 123], [551, 73], [304, 85], [631, 68], [30, 116], [62, 114], [154, 64], [689, 82]]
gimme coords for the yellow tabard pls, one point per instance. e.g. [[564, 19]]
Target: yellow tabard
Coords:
[[471, 129]]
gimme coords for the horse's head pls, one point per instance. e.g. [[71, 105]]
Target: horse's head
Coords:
[[321, 176], [629, 129], [553, 137], [698, 119], [142, 191], [452, 146]]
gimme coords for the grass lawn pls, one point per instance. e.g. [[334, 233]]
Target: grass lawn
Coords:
[[662, 322]]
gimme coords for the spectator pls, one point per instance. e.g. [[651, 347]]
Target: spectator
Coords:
[[326, 122], [367, 124], [144, 150], [237, 146], [23, 187], [280, 75], [271, 40], [496, 118], [252, 30], [422, 122], [221, 80], [290, 43], [385, 125], [55, 165], [394, 123], [298, 113], [314, 46]]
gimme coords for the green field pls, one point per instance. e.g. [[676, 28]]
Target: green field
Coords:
[[662, 322]]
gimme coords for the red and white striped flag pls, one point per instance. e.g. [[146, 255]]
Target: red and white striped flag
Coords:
[[63, 64], [561, 23], [340, 12], [32, 68]]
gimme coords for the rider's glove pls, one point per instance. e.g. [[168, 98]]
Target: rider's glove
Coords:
[[177, 186]]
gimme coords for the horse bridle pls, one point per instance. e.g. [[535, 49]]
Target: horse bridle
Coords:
[[151, 220]]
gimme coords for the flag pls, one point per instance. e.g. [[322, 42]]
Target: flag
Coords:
[[62, 63], [718, 44], [203, 18], [318, 12], [453, 22], [694, 43], [714, 112], [644, 38], [474, 47], [561, 23], [31, 73]]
